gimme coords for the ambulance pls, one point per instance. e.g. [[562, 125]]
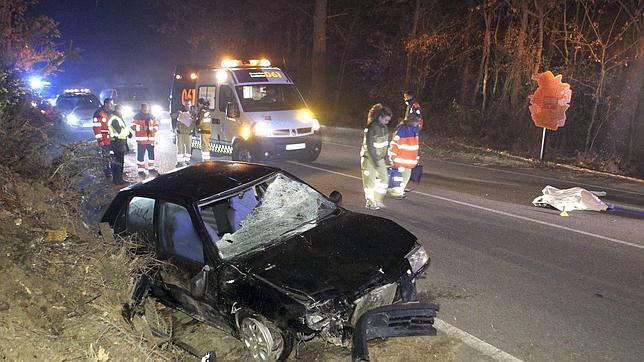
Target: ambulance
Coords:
[[257, 113]]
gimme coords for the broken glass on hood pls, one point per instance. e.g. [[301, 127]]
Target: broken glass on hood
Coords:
[[283, 206]]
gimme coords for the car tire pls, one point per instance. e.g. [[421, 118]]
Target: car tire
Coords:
[[258, 334], [241, 152], [311, 157]]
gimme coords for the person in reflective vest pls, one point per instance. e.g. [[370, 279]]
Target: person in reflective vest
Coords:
[[119, 133], [403, 152], [184, 129], [204, 124], [101, 133], [145, 127], [374, 155], [414, 110]]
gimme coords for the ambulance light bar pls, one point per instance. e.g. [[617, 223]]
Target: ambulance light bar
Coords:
[[236, 63], [77, 90]]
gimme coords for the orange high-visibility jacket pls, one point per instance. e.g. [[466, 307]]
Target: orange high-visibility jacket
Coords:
[[145, 127], [403, 149], [99, 125]]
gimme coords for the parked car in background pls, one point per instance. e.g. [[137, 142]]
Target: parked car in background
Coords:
[[77, 107], [130, 96]]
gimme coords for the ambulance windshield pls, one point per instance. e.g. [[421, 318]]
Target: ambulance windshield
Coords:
[[269, 97]]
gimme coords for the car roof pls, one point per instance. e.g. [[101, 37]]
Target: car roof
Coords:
[[203, 180]]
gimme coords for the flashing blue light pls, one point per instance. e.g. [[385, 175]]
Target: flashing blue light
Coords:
[[37, 83]]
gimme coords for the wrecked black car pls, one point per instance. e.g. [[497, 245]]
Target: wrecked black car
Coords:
[[254, 250]]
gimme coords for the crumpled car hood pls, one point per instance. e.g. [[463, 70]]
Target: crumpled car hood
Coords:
[[340, 256]]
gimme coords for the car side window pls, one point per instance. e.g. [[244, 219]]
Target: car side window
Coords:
[[140, 217], [177, 233], [225, 96], [208, 93]]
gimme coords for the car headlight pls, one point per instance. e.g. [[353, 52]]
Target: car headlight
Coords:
[[127, 111], [72, 119], [315, 125], [262, 129], [156, 110], [418, 259]]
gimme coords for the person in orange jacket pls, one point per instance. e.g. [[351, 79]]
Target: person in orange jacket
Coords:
[[403, 152], [102, 132], [145, 127]]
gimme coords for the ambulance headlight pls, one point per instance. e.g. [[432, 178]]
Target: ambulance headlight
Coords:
[[127, 111], [262, 129], [418, 260], [156, 110], [72, 119]]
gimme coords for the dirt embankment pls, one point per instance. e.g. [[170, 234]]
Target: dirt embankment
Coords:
[[63, 287]]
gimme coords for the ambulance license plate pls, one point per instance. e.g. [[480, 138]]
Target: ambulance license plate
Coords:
[[296, 146]]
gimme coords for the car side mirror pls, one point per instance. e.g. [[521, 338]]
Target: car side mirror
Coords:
[[199, 283], [336, 197], [232, 110]]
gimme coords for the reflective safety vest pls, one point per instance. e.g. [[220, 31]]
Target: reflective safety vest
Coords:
[[375, 142], [145, 128], [117, 127], [403, 150], [99, 125]]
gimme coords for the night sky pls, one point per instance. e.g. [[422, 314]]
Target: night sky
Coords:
[[118, 42]]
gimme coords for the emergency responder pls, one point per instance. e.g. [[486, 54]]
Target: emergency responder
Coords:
[[145, 127], [184, 129], [373, 156], [119, 133], [403, 152], [414, 109], [204, 124], [101, 132]]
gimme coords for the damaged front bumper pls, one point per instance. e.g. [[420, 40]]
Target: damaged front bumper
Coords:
[[399, 320]]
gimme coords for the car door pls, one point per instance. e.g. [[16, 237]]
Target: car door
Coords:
[[182, 248]]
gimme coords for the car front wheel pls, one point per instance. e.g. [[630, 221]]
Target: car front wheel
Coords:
[[264, 340], [241, 152]]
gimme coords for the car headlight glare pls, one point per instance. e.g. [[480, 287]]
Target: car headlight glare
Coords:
[[156, 110], [305, 115], [418, 258], [315, 125], [72, 119], [262, 129], [245, 132], [127, 111]]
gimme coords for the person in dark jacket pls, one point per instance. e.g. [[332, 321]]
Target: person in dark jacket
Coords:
[[414, 111], [373, 156]]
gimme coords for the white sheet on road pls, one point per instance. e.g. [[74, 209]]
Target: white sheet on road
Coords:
[[575, 198]]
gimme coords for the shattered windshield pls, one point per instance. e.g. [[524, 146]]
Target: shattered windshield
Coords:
[[263, 214]]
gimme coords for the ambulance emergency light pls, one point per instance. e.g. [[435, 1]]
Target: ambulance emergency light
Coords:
[[236, 63]]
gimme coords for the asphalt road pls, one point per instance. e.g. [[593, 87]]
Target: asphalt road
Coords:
[[537, 285]]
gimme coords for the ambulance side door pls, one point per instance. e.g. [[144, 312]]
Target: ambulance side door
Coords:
[[229, 126]]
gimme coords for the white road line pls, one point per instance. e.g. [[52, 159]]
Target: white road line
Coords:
[[463, 203], [599, 187], [474, 342]]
